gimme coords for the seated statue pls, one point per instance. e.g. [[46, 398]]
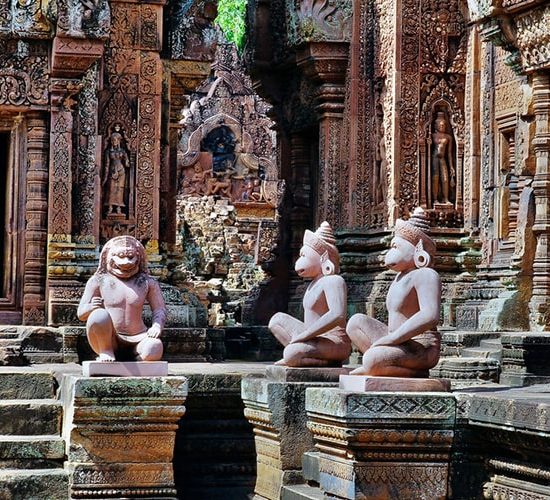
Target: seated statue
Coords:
[[409, 345], [113, 300], [319, 340]]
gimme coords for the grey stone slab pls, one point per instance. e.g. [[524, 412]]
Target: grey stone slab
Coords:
[[25, 384], [437, 407], [302, 492], [30, 417], [310, 466], [31, 448], [43, 484]]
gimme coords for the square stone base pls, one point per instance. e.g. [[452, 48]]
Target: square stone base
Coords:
[[280, 373], [125, 369], [362, 383]]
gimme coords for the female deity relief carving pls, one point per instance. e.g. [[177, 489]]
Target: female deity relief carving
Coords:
[[408, 346], [117, 165], [113, 300], [319, 340], [443, 168]]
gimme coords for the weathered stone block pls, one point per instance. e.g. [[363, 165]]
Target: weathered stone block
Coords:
[[30, 417], [525, 358], [215, 456], [382, 445], [23, 485], [21, 383], [276, 409], [121, 434]]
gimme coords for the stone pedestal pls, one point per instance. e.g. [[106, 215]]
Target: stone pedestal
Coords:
[[361, 383], [125, 369], [120, 434], [275, 406], [382, 445]]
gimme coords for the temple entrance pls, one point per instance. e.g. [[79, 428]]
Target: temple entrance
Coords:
[[4, 172], [11, 220]]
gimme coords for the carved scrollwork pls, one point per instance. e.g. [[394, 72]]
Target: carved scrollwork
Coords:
[[24, 75]]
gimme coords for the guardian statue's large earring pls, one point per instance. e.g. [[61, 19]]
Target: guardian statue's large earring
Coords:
[[327, 266], [421, 257]]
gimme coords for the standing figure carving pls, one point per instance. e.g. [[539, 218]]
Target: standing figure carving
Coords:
[[319, 340], [408, 346], [443, 168], [113, 300], [117, 165]]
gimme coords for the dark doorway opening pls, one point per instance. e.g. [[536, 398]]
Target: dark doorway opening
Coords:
[[4, 197]]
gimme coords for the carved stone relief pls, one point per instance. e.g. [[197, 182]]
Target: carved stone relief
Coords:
[[228, 190], [318, 21], [81, 18], [129, 110], [24, 74], [191, 31], [24, 18], [227, 145]]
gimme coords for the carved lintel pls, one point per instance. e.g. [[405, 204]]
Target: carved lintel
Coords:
[[71, 57]]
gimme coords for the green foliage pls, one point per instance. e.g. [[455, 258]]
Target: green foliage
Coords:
[[232, 20]]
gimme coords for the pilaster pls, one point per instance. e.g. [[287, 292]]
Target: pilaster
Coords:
[[540, 300], [34, 274]]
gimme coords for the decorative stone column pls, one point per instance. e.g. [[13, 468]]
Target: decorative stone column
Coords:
[[34, 274], [540, 300], [275, 406], [61, 265], [382, 445], [121, 434], [321, 38], [325, 63]]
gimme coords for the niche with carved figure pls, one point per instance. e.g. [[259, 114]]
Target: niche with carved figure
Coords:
[[117, 177], [441, 157], [442, 162]]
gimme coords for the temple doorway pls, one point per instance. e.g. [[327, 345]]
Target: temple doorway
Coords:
[[4, 173]]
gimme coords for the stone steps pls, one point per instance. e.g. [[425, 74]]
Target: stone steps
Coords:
[[482, 352], [30, 416], [467, 371], [36, 484], [24, 383], [32, 451], [302, 492]]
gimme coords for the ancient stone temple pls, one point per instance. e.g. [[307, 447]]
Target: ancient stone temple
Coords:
[[140, 118]]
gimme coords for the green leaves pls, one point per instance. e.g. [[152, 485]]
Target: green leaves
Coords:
[[232, 20]]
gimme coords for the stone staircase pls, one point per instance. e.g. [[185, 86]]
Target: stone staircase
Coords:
[[469, 358], [10, 346], [310, 490], [32, 450], [488, 349]]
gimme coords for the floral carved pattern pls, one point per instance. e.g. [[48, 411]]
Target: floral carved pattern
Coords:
[[23, 74]]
